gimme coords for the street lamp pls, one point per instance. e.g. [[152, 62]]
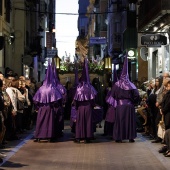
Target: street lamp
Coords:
[[107, 63], [57, 62]]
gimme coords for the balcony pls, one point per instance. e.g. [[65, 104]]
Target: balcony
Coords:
[[152, 12]]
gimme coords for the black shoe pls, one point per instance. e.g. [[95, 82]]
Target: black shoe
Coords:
[[156, 141], [87, 141], [163, 149], [52, 140], [36, 140], [76, 141], [131, 140], [118, 141]]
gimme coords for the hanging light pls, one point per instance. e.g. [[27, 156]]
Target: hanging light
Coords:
[[57, 61], [107, 63]]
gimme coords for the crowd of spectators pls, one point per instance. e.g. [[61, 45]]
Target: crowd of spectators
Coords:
[[155, 108], [15, 121]]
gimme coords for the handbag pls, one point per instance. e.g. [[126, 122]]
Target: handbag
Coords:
[[161, 128], [20, 105]]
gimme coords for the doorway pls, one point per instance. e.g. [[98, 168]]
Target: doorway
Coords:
[[154, 63]]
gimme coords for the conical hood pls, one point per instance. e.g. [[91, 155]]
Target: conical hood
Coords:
[[48, 92], [85, 72], [85, 91], [124, 74], [56, 80], [124, 82]]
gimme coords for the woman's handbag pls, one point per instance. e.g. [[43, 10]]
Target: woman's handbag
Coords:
[[20, 105], [161, 128]]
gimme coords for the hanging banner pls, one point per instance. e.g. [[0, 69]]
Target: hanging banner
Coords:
[[51, 53], [97, 40]]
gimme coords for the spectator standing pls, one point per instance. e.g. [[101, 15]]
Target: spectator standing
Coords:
[[154, 111]]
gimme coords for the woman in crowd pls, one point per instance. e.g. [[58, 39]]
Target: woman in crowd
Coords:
[[154, 111], [15, 86], [165, 111], [2, 127], [26, 112]]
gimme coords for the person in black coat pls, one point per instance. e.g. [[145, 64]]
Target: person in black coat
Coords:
[[165, 106]]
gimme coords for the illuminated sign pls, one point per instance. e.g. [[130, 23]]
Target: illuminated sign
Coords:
[[153, 40]]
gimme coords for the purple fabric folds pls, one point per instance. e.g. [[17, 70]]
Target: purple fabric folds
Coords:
[[84, 92], [110, 100], [59, 86], [48, 92], [124, 82]]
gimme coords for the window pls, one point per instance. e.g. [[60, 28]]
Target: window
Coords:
[[1, 7], [7, 10]]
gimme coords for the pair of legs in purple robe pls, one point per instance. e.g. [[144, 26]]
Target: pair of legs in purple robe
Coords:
[[50, 122]]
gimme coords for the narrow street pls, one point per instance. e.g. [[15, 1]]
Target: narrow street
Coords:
[[101, 154]]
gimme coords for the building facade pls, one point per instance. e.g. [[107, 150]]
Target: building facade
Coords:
[[153, 28], [26, 28]]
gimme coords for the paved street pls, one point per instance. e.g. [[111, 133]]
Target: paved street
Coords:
[[101, 154]]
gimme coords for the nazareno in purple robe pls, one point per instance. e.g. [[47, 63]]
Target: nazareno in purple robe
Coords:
[[45, 100], [84, 102], [125, 118], [126, 94]]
